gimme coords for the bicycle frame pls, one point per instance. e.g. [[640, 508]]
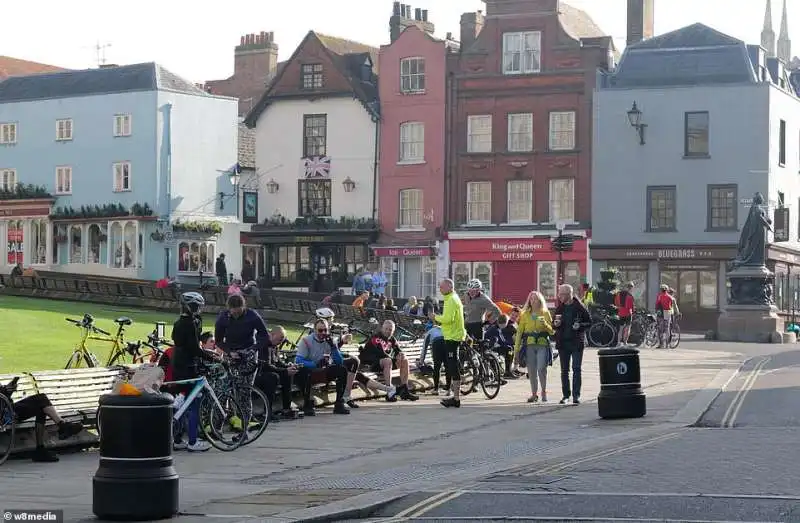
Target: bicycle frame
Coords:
[[200, 384]]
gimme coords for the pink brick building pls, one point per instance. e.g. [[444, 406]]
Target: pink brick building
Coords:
[[413, 91]]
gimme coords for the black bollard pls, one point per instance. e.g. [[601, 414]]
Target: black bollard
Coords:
[[136, 480], [621, 394]]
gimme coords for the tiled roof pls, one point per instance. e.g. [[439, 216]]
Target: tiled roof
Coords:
[[577, 23], [16, 67], [348, 56], [247, 147], [693, 55], [106, 80]]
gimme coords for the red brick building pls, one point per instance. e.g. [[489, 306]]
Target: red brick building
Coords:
[[520, 93], [16, 67]]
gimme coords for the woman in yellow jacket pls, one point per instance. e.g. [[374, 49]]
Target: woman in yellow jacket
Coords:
[[532, 343]]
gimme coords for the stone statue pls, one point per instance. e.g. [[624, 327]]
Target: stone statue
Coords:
[[752, 251]]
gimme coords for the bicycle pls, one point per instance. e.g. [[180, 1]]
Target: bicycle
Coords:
[[89, 331], [8, 427], [643, 329], [674, 334], [479, 366], [603, 330]]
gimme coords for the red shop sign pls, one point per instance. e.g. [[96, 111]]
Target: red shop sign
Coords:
[[402, 252]]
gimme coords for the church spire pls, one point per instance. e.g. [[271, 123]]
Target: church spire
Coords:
[[784, 42], [767, 34]]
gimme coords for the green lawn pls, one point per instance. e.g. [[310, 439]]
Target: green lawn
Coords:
[[36, 336]]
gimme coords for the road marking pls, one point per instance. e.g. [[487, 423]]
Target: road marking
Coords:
[[633, 446], [421, 504], [769, 497], [452, 495], [729, 418]]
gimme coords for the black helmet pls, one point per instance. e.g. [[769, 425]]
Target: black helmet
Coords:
[[192, 302]]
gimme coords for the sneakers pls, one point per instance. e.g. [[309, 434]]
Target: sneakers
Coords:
[[340, 407], [391, 396], [68, 429], [42, 455], [451, 403], [198, 446], [576, 401], [351, 403], [564, 400], [180, 445], [544, 396], [407, 395], [309, 412], [533, 399]]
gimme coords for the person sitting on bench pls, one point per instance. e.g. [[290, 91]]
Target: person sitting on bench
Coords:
[[382, 353], [274, 375], [39, 407]]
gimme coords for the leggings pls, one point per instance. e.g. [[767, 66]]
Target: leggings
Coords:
[[439, 352], [452, 365]]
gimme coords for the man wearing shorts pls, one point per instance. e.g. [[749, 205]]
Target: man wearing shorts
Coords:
[[382, 354], [665, 306], [623, 300]]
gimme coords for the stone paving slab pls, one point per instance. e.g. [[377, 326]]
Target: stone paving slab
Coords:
[[380, 444]]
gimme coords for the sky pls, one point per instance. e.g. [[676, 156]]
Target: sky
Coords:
[[196, 41]]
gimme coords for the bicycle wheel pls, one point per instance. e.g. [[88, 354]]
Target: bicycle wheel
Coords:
[[74, 361], [491, 378], [469, 374], [651, 336], [600, 334], [117, 359], [637, 332], [259, 412], [221, 429], [675, 336], [7, 428]]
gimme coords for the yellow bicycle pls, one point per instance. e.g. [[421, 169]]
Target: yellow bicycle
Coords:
[[120, 350]]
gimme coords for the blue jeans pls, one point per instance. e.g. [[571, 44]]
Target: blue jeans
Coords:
[[573, 354]]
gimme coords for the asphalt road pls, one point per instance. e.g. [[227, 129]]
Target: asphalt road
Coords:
[[739, 463]]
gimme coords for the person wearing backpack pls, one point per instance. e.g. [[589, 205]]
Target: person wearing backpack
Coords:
[[623, 301]]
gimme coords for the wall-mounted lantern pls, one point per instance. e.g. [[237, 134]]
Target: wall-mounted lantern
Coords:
[[635, 119], [349, 185], [272, 186]]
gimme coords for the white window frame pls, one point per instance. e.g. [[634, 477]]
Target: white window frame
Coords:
[[520, 132], [562, 131], [473, 204], [522, 52], [63, 179], [412, 82], [562, 207], [8, 133], [119, 177], [8, 180], [514, 202], [412, 142], [64, 130], [210, 261], [410, 218], [123, 125], [549, 291], [479, 133]]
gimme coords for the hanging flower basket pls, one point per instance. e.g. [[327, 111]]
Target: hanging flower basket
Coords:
[[157, 236]]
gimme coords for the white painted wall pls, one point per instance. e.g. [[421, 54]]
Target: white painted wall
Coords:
[[351, 147], [786, 178]]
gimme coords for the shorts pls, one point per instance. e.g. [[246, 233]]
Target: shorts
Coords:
[[625, 320], [371, 356]]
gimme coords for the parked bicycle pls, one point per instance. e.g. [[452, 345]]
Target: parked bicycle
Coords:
[[644, 329], [120, 350], [603, 330], [8, 427], [480, 365]]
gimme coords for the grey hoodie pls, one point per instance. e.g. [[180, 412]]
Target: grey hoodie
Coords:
[[478, 306]]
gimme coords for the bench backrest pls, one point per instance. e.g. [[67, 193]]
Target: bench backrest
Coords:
[[25, 385], [76, 390]]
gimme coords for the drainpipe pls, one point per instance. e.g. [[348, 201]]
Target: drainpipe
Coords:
[[450, 152], [376, 121]]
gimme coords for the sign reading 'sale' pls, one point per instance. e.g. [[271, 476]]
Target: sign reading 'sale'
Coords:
[[781, 224]]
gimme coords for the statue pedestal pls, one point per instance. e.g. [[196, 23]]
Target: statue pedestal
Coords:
[[751, 315]]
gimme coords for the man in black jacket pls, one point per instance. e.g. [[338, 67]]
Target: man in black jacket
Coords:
[[221, 269], [273, 374], [571, 321]]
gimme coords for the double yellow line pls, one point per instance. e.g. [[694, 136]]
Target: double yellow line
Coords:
[[729, 419]]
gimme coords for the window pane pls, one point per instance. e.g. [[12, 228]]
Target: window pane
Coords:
[[697, 133], [662, 209], [562, 131], [562, 200], [722, 210], [708, 289], [520, 132]]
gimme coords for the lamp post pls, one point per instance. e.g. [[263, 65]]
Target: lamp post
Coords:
[[635, 119]]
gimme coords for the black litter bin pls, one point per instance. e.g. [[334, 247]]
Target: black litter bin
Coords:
[[621, 394], [136, 479]]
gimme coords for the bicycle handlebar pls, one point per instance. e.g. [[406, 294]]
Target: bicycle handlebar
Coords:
[[85, 325]]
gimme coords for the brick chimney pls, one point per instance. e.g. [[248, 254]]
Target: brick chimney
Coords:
[[640, 21], [471, 25], [256, 55], [404, 16]]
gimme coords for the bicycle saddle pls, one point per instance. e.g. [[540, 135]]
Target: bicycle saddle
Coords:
[[124, 320]]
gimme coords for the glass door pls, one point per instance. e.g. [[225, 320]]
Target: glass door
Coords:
[[483, 271], [465, 271]]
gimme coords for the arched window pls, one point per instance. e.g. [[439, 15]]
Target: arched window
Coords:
[[115, 237], [15, 242], [39, 242], [76, 244], [130, 244], [122, 238], [194, 256], [95, 243]]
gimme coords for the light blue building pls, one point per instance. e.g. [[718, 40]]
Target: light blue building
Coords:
[[120, 171]]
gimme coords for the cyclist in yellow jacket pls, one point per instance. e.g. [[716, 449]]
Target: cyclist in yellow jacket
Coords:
[[454, 333]]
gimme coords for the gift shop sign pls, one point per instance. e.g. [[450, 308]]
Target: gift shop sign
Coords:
[[516, 250]]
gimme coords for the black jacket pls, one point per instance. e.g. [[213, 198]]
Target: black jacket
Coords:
[[565, 335]]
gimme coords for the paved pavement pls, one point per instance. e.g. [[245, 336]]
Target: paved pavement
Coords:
[[738, 463], [314, 467]]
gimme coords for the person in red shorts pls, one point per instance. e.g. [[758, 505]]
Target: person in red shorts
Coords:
[[623, 300]]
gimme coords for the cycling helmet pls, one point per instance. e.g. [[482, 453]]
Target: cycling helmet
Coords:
[[192, 302], [474, 285], [325, 313]]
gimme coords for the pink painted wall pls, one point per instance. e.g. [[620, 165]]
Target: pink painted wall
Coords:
[[397, 108]]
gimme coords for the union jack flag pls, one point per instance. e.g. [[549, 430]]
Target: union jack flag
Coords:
[[317, 166]]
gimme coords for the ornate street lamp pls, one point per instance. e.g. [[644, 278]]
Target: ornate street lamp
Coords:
[[272, 186], [349, 185], [635, 119]]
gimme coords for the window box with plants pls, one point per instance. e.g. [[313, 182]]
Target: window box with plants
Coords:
[[102, 212]]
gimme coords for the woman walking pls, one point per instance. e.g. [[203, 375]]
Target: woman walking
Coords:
[[532, 343]]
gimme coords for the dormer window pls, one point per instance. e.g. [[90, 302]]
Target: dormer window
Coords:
[[312, 76]]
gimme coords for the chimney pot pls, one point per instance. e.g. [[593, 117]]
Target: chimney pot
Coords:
[[449, 36], [418, 14], [396, 9], [424, 15], [272, 36], [640, 21], [241, 40]]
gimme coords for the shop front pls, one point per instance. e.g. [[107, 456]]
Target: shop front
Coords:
[[512, 267], [785, 263], [25, 232], [696, 272], [410, 270], [318, 261]]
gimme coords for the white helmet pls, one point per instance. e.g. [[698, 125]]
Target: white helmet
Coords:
[[325, 313], [192, 301], [474, 285]]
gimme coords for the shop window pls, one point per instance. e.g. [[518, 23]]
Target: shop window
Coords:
[[252, 262], [429, 284], [391, 268], [695, 289], [76, 244], [39, 242], [293, 263], [572, 274], [355, 260], [546, 279], [97, 243], [708, 290], [196, 256], [637, 276], [15, 244]]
